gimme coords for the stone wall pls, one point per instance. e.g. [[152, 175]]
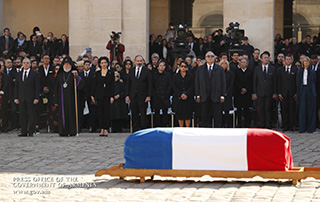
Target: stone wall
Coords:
[[48, 15], [159, 16], [91, 23], [256, 17]]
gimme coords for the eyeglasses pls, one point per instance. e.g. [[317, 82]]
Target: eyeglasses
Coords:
[[210, 56], [183, 66], [117, 76]]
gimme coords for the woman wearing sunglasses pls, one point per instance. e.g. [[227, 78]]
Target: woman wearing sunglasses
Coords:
[[183, 99]]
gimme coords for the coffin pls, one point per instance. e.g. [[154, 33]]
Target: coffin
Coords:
[[208, 149]]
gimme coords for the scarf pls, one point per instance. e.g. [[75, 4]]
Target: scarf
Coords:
[[20, 42]]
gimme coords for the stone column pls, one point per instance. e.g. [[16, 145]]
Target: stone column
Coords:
[[91, 23], [1, 16], [256, 17]]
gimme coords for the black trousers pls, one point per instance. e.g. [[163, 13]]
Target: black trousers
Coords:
[[265, 111], [103, 108], [161, 120], [27, 115], [139, 114], [288, 110], [211, 110], [245, 114]]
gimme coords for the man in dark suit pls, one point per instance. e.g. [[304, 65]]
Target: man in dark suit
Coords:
[[46, 93], [26, 94], [264, 89], [193, 46], [235, 61], [88, 76], [243, 92], [34, 48], [210, 46], [210, 88], [287, 92], [138, 92], [6, 44]]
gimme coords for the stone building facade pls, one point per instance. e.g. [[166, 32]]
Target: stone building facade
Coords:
[[88, 23]]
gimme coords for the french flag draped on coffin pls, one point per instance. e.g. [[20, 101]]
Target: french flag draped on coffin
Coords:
[[208, 149]]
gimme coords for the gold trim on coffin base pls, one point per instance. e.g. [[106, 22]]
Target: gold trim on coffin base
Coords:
[[296, 174]]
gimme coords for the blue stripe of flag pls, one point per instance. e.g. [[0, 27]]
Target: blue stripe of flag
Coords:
[[149, 149]]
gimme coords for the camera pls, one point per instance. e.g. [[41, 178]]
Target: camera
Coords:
[[235, 34], [181, 37], [115, 35]]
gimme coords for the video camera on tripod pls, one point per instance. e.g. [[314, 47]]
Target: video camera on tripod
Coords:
[[235, 34]]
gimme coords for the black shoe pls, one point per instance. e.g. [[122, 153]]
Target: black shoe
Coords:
[[30, 135], [22, 135]]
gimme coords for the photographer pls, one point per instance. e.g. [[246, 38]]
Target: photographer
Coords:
[[115, 47], [170, 32]]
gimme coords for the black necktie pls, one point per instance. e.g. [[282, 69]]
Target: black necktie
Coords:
[[288, 70], [25, 76], [138, 73], [210, 71], [264, 70]]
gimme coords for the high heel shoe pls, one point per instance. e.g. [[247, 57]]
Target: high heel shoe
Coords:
[[105, 133], [101, 133]]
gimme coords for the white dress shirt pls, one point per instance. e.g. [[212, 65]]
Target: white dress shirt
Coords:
[[28, 71], [305, 77]]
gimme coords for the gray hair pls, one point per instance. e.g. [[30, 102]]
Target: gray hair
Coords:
[[246, 59], [27, 60], [210, 52], [155, 55]]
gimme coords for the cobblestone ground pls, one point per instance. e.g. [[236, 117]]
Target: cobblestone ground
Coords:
[[55, 167]]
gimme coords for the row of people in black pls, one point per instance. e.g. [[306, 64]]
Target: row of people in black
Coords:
[[206, 91], [36, 47]]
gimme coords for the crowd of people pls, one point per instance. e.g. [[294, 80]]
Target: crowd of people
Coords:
[[40, 82]]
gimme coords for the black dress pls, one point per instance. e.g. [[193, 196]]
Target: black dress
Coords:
[[102, 91], [183, 108], [161, 97], [65, 97]]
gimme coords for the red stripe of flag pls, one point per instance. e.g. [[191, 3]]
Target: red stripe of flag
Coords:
[[268, 150]]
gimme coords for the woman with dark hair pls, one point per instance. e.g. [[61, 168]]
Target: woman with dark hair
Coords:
[[20, 44], [306, 94], [227, 105], [127, 65], [63, 47], [183, 97], [161, 94], [103, 94]]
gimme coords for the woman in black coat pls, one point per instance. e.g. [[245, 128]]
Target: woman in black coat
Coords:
[[227, 105], [103, 94], [63, 46], [183, 99], [127, 65], [161, 94], [119, 110], [20, 44]]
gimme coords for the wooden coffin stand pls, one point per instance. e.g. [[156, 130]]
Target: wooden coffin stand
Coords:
[[296, 174]]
